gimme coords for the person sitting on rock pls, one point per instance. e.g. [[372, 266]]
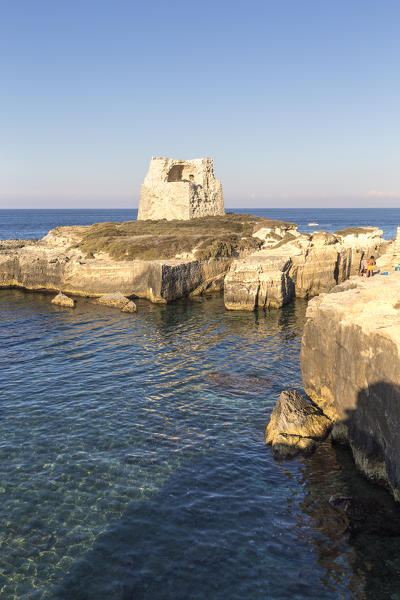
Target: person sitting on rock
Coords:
[[370, 266]]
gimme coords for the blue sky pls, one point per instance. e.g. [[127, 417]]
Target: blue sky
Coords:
[[297, 101]]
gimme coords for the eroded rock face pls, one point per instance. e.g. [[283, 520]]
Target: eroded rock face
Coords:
[[109, 257], [63, 300], [117, 300], [294, 425], [350, 361], [261, 280], [54, 264], [292, 264], [142, 259], [180, 189]]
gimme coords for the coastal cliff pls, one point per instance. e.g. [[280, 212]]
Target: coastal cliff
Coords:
[[158, 260], [350, 362], [256, 262], [301, 265]]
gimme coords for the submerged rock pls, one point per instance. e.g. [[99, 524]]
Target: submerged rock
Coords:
[[118, 300], [240, 382], [287, 446], [367, 516], [294, 425], [63, 300]]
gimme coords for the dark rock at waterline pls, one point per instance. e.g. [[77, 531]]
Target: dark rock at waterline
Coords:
[[294, 426], [287, 446]]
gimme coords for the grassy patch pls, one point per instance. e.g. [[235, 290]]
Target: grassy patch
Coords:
[[356, 231], [212, 237]]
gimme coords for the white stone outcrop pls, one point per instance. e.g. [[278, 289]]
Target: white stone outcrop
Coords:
[[180, 189], [53, 264], [302, 265], [350, 362]]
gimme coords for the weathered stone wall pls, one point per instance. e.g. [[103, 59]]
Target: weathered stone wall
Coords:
[[259, 281], [350, 361], [53, 265], [180, 189], [304, 266]]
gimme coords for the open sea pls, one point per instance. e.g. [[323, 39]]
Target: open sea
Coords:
[[132, 455]]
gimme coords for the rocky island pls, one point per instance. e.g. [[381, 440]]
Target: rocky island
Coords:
[[184, 244], [255, 262]]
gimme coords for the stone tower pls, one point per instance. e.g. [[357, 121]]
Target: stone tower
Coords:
[[180, 189]]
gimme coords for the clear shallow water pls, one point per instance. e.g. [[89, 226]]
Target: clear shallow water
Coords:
[[132, 461], [26, 224], [133, 464]]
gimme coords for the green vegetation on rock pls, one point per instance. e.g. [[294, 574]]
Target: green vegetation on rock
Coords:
[[207, 237], [356, 231]]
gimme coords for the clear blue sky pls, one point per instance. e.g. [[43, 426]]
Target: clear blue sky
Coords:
[[297, 101]]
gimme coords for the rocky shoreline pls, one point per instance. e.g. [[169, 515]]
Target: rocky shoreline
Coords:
[[255, 262], [350, 362], [350, 348]]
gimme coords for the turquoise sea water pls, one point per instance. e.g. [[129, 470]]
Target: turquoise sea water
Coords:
[[133, 464]]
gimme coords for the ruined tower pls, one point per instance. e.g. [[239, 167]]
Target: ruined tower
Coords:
[[180, 189]]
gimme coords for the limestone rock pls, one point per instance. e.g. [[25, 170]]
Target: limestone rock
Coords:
[[63, 300], [294, 425], [180, 189], [117, 300], [130, 307], [258, 281], [77, 260], [54, 264], [300, 265], [350, 361]]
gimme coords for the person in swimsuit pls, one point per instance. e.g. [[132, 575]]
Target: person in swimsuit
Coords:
[[370, 266]]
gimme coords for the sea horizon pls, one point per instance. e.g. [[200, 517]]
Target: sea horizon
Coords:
[[13, 223]]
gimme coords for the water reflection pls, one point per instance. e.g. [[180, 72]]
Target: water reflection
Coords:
[[353, 525]]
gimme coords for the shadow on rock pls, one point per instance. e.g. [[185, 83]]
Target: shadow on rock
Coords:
[[371, 430]]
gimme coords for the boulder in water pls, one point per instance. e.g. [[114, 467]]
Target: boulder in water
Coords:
[[117, 300], [63, 300], [294, 425]]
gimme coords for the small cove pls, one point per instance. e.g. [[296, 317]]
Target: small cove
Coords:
[[133, 462]]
